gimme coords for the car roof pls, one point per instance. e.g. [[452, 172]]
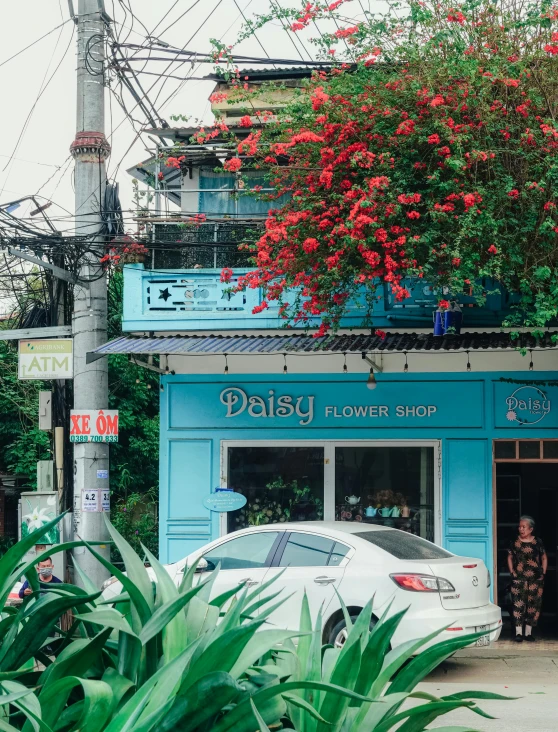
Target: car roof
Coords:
[[346, 527]]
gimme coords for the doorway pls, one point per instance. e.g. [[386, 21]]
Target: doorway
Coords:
[[526, 483]]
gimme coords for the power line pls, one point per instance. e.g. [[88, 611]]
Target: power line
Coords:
[[34, 43]]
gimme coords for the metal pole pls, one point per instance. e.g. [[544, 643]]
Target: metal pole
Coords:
[[90, 150]]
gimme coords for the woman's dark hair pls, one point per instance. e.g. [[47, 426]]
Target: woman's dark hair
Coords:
[[530, 519]]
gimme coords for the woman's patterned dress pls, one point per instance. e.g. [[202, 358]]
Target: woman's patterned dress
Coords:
[[527, 586]]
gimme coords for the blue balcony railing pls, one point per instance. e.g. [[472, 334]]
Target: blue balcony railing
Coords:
[[196, 300]]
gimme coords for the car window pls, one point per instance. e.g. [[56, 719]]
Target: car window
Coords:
[[306, 550], [402, 545], [245, 552], [337, 555]]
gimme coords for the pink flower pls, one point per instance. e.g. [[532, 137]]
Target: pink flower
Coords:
[[381, 334], [444, 305], [456, 261], [226, 274], [434, 139], [246, 121], [514, 193], [492, 249]]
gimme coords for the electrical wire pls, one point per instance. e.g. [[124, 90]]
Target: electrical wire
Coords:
[[3, 63]]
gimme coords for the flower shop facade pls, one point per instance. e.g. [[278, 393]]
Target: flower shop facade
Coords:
[[451, 445]]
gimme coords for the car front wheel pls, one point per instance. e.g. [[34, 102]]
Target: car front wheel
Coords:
[[338, 634]]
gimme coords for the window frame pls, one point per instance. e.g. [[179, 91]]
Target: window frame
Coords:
[[270, 555], [281, 550]]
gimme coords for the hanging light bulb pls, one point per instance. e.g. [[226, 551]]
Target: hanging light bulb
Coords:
[[531, 362], [345, 364], [285, 366], [226, 371], [468, 362], [406, 367], [371, 381]]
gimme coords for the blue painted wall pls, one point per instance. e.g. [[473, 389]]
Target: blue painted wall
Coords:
[[464, 411]]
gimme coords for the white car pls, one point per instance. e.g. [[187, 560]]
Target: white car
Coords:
[[359, 561]]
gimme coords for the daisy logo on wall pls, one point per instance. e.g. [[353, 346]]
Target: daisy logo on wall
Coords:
[[527, 405]]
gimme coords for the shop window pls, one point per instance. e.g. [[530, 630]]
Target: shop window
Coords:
[[245, 552], [306, 550], [550, 449], [390, 486], [504, 450], [529, 450], [280, 483]]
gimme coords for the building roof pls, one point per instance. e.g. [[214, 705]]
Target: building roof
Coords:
[[210, 344]]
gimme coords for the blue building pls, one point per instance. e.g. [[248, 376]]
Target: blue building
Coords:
[[451, 437]]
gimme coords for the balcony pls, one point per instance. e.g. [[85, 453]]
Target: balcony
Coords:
[[193, 298]]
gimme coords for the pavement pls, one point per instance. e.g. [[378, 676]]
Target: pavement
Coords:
[[528, 671]]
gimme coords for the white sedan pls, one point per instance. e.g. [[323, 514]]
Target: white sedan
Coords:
[[359, 561]]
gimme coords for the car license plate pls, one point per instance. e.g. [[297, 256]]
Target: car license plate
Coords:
[[484, 640]]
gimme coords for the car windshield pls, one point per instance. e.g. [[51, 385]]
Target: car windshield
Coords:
[[402, 545]]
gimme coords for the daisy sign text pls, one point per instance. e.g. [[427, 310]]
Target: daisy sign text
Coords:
[[94, 425]]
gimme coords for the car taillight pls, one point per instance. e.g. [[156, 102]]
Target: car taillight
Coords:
[[422, 583]]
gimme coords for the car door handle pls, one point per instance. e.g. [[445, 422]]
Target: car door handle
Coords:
[[323, 580], [249, 582]]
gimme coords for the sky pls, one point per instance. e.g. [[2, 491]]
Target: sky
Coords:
[[38, 86]]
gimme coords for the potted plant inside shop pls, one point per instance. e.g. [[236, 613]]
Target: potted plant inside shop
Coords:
[[281, 501]]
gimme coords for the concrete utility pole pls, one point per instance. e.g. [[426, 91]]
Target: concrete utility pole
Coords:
[[90, 150]]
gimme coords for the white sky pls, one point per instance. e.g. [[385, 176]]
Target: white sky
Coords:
[[48, 124]]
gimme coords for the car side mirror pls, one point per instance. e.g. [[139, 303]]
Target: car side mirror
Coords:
[[202, 565]]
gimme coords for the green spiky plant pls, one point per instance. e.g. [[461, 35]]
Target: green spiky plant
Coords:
[[160, 658]]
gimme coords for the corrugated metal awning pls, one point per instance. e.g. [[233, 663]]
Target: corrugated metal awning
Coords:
[[219, 345]]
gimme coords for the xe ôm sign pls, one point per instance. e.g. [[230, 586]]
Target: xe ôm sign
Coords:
[[46, 358], [94, 425]]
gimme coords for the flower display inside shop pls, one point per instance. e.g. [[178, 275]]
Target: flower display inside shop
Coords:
[[428, 150]]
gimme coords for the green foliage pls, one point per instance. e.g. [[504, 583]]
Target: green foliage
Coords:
[[168, 657], [134, 515], [22, 443], [134, 391]]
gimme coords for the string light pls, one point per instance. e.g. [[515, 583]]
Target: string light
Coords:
[[285, 366], [345, 364], [531, 362], [371, 382], [406, 367], [226, 371], [468, 362]]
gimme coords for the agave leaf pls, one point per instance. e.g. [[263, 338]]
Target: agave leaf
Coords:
[[135, 568], [346, 673], [86, 582], [233, 720], [303, 704], [259, 719], [420, 715], [257, 647], [119, 685], [165, 614], [480, 695], [420, 666], [37, 628], [108, 617], [346, 614], [76, 659], [456, 729], [201, 702], [375, 651], [175, 635], [223, 653], [249, 611], [224, 597], [396, 658], [200, 617], [370, 715], [156, 691]]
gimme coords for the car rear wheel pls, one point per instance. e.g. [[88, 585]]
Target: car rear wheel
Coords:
[[338, 634]]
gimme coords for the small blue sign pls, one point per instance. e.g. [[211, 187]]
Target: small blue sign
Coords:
[[224, 500]]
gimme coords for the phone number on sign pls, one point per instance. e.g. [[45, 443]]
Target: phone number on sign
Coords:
[[93, 438]]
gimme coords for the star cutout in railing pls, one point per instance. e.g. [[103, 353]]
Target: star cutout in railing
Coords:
[[165, 294]]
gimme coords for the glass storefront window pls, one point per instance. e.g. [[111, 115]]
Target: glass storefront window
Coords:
[[280, 484], [391, 486]]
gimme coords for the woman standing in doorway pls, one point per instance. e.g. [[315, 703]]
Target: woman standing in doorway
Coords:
[[527, 562]]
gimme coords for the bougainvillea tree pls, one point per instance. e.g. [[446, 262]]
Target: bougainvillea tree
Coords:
[[432, 152]]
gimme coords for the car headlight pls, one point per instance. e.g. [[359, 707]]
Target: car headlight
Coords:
[[108, 583]]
